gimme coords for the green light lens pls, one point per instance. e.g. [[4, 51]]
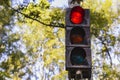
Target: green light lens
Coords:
[[78, 56]]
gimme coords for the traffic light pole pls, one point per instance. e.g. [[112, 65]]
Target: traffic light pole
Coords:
[[72, 2], [78, 76]]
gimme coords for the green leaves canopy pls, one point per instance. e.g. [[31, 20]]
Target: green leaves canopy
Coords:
[[39, 35]]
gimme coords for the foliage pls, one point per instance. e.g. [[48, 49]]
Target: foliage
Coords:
[[35, 34]]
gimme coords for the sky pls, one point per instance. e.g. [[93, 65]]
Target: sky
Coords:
[[59, 3], [55, 3]]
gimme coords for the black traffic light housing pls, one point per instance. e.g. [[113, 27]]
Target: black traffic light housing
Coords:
[[78, 52]]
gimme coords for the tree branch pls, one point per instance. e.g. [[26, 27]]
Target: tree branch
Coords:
[[27, 16], [107, 52], [102, 41]]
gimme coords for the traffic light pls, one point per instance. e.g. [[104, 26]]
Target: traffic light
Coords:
[[78, 52]]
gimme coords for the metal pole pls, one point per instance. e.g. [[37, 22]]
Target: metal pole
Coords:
[[78, 75], [72, 3], [69, 75]]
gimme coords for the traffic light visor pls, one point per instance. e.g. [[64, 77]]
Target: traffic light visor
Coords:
[[77, 15]]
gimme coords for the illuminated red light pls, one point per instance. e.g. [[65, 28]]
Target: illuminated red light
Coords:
[[77, 15]]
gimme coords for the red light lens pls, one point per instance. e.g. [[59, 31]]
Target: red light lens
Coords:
[[77, 15]]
